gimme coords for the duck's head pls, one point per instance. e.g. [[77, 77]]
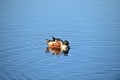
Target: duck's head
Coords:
[[66, 43]]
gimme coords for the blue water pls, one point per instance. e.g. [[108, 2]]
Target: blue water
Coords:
[[92, 28]]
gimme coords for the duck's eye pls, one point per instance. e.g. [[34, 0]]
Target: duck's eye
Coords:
[[66, 48]]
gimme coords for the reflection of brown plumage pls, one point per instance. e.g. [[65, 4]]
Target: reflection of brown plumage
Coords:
[[57, 46]]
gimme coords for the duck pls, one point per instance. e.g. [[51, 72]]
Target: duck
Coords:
[[57, 43]]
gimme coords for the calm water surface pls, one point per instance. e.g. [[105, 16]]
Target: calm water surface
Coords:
[[92, 28]]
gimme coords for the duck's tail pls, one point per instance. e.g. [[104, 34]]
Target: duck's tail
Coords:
[[47, 40], [53, 38]]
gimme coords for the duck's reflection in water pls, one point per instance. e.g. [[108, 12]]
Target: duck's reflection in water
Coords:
[[57, 51]]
